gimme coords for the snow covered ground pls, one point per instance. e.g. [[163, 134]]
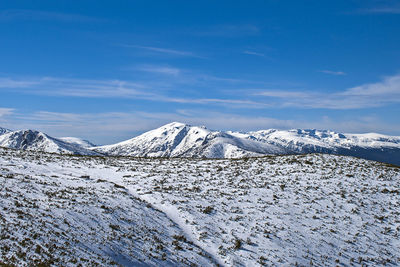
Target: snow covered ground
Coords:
[[313, 209]]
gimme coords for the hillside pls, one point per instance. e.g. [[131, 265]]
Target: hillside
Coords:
[[277, 210], [77, 141], [38, 141]]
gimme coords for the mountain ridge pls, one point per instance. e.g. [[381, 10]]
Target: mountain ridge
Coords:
[[183, 140], [77, 141], [38, 141], [4, 130]]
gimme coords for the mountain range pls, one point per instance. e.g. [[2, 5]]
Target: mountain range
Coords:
[[182, 140]]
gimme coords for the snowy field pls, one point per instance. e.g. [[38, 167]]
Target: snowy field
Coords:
[[303, 210]]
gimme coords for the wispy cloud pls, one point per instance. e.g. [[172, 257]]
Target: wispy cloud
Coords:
[[236, 122], [332, 72], [28, 14], [103, 128], [387, 7], [161, 50], [230, 30], [89, 88], [110, 127], [5, 111], [227, 102], [160, 70], [368, 95], [384, 10], [282, 94], [53, 86], [167, 51], [13, 83], [387, 89], [248, 52]]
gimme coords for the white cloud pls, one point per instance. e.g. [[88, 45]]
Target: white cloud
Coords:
[[283, 94], [111, 127], [161, 70], [363, 96], [230, 102], [161, 50], [91, 88], [338, 73], [384, 9], [5, 111], [388, 88], [167, 51], [117, 126], [230, 30], [5, 114], [75, 87], [166, 90], [12, 83], [247, 52], [52, 86]]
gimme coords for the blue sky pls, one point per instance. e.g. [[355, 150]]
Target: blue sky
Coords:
[[109, 70]]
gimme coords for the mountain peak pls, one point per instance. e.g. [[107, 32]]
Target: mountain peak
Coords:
[[35, 140], [174, 124], [178, 139], [4, 130], [181, 140]]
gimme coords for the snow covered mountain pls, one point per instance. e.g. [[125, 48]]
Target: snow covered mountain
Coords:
[[38, 141], [3, 131], [181, 140], [77, 141], [369, 146], [299, 140]]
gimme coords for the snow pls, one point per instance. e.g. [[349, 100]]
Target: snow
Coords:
[[63, 212], [77, 141], [323, 138], [38, 141], [182, 140], [373, 140], [318, 209], [4, 130]]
